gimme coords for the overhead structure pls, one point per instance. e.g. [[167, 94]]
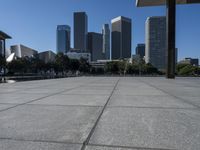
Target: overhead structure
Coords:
[[171, 28], [3, 37], [143, 3]]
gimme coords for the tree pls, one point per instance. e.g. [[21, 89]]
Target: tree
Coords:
[[122, 67], [2, 62], [84, 66], [150, 69], [112, 67], [62, 62], [74, 64], [187, 70], [134, 69]]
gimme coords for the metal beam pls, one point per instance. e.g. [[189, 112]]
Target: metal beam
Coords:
[[171, 38], [143, 3], [4, 56]]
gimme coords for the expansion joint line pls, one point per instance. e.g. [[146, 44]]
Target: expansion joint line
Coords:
[[180, 99], [86, 142]]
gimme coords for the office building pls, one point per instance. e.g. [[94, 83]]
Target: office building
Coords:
[[121, 38], [106, 41], [140, 50], [190, 61], [79, 55], [155, 50], [23, 51], [80, 31], [136, 59], [47, 56], [63, 38], [95, 45], [1, 48], [8, 52]]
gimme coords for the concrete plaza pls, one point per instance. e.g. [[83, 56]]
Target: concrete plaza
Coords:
[[101, 113]]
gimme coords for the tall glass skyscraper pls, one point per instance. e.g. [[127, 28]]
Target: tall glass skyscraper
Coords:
[[140, 50], [63, 38], [80, 31], [121, 38], [156, 50], [106, 41], [95, 45]]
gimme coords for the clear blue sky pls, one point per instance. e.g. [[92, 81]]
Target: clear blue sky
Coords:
[[33, 22]]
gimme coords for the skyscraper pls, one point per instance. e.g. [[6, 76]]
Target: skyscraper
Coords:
[[155, 51], [80, 31], [95, 45], [121, 38], [106, 41], [63, 38], [140, 50]]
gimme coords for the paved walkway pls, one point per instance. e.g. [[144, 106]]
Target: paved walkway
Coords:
[[101, 113]]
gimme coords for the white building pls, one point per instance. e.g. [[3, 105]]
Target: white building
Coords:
[[47, 56], [22, 51], [75, 55]]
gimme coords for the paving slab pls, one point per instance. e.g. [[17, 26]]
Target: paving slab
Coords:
[[78, 100], [182, 91], [52, 123], [149, 128], [28, 145], [5, 90], [5, 106], [142, 113], [17, 98], [147, 101], [40, 91], [88, 92], [111, 148], [142, 91], [190, 99]]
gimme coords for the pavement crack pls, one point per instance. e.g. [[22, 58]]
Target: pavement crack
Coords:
[[129, 147], [86, 142]]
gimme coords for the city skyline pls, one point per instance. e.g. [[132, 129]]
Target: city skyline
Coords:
[[186, 31]]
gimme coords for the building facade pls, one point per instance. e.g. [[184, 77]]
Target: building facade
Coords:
[[47, 56], [190, 61], [140, 50], [155, 50], [23, 51], [121, 38], [106, 41], [95, 46], [63, 38], [1, 48], [79, 55], [80, 31]]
